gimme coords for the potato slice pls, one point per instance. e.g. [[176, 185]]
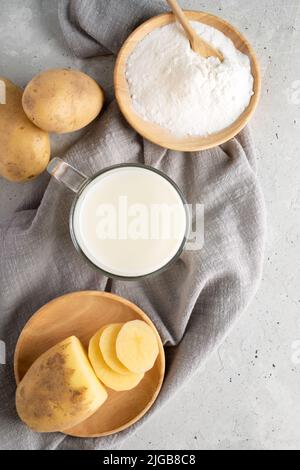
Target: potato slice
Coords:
[[137, 346], [109, 377], [108, 348], [60, 390]]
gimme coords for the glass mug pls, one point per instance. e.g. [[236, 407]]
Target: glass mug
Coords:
[[129, 221]]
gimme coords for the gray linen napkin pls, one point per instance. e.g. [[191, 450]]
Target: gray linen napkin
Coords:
[[197, 301]]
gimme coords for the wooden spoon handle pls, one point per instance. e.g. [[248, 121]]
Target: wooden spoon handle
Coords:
[[182, 19], [198, 44]]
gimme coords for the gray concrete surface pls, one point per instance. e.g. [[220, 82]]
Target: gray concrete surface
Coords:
[[247, 397]]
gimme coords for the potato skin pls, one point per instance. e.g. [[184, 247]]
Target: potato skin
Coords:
[[60, 389], [62, 100], [24, 149]]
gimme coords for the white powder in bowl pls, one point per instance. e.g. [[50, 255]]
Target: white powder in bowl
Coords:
[[179, 90]]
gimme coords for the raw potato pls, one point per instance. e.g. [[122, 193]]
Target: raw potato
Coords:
[[24, 149], [62, 100], [110, 378], [137, 346], [60, 390], [108, 348]]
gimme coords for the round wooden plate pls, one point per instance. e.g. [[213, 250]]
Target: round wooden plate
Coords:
[[82, 314], [153, 132]]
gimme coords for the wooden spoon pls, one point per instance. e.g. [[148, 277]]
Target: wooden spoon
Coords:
[[198, 44]]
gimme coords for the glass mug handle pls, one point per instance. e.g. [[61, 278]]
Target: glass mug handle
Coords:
[[67, 174]]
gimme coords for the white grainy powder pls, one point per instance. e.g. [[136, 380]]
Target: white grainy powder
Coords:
[[176, 88]]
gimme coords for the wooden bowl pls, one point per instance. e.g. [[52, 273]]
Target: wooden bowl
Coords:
[[155, 133], [82, 314]]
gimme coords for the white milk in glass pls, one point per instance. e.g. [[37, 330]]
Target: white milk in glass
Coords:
[[130, 221]]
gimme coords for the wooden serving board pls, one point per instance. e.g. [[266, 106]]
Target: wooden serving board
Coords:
[[82, 314]]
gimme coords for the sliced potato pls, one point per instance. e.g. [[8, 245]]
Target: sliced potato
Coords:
[[137, 346], [109, 377], [108, 348]]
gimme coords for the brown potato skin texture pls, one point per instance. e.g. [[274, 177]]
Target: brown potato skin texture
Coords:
[[46, 398], [25, 149], [62, 100]]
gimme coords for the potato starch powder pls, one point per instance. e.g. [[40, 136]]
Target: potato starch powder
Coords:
[[181, 91]]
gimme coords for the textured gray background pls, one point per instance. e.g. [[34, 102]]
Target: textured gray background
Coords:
[[247, 397]]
